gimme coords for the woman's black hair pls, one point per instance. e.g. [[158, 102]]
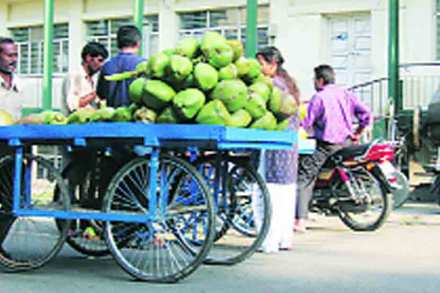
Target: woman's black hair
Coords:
[[272, 54]]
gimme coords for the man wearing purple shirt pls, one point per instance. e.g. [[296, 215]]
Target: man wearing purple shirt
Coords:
[[330, 120]]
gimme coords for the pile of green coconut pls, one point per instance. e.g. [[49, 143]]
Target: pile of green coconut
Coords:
[[206, 81]]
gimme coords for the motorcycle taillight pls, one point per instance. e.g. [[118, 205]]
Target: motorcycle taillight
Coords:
[[380, 152]]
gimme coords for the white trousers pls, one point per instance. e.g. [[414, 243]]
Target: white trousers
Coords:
[[280, 234]]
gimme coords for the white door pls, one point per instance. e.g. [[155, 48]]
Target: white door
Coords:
[[350, 48]]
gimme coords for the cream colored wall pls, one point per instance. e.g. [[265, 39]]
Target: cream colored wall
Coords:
[[306, 44], [299, 26], [418, 24], [3, 18], [308, 41]]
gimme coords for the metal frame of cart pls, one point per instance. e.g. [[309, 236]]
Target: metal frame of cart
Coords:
[[157, 138]]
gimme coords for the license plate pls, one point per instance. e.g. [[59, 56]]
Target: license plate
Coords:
[[387, 168]]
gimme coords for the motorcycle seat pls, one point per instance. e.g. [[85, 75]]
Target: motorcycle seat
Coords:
[[351, 151]]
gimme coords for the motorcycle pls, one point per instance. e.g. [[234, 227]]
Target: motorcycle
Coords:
[[356, 183]]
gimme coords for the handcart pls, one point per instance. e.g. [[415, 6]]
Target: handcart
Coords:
[[161, 214]]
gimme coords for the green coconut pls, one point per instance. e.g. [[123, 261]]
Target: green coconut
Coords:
[[206, 76], [265, 79], [220, 55], [283, 125], [233, 93], [256, 106], [188, 103], [237, 47], [241, 118], [261, 89], [188, 47], [168, 116], [267, 122], [145, 115], [275, 100], [181, 67], [157, 94], [229, 72], [248, 69], [122, 114], [136, 89], [158, 65], [213, 113]]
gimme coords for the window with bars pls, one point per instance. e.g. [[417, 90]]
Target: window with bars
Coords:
[[104, 31], [230, 22], [30, 42]]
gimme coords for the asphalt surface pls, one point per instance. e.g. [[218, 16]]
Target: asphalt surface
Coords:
[[403, 256]]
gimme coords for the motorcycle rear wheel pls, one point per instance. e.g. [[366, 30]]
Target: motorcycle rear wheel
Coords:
[[379, 207]]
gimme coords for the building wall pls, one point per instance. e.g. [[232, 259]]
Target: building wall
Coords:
[[299, 28]]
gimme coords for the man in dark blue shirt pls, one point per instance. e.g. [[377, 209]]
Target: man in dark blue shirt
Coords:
[[116, 92]]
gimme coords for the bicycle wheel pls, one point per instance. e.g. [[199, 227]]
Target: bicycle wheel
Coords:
[[158, 250], [246, 194], [29, 242]]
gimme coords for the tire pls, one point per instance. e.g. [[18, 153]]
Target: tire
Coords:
[[401, 195], [238, 238], [78, 238], [157, 251], [31, 242], [366, 183]]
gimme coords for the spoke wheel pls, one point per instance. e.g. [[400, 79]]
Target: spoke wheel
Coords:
[[159, 250], [238, 235], [373, 204], [29, 242]]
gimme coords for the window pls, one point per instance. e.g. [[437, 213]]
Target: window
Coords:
[[104, 31], [230, 22], [30, 42]]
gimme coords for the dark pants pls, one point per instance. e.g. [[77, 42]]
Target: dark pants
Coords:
[[6, 220], [309, 168]]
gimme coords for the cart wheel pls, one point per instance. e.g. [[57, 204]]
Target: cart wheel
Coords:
[[238, 236], [84, 236], [29, 242], [158, 250], [222, 205]]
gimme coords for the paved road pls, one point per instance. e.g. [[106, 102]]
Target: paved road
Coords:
[[404, 256]]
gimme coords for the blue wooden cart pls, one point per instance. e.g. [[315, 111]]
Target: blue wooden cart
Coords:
[[160, 217]]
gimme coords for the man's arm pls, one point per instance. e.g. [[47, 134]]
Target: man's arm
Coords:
[[362, 113], [315, 109], [87, 99], [73, 100]]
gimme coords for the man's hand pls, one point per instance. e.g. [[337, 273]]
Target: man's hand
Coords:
[[87, 99], [356, 137]]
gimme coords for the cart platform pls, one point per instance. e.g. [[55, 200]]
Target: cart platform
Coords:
[[154, 135]]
